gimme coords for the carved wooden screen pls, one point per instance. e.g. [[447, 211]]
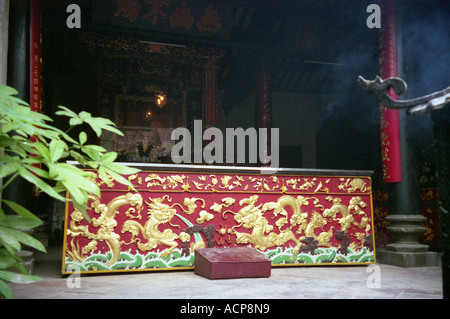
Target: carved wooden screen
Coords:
[[292, 219]]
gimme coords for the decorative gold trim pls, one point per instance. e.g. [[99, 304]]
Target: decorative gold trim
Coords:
[[354, 185]]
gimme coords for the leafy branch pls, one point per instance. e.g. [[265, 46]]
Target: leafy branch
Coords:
[[35, 150]]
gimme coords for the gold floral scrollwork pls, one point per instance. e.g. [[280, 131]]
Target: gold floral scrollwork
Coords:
[[226, 202], [170, 182], [190, 203], [154, 180], [319, 189], [225, 180], [75, 230], [130, 211], [204, 216], [213, 183], [352, 185], [263, 184], [93, 177], [137, 178], [174, 180]]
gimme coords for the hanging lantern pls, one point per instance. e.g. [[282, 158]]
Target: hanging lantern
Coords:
[[160, 99]]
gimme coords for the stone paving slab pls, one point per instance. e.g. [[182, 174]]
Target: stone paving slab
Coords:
[[352, 282]]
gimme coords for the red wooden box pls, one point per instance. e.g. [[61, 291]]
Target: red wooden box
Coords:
[[226, 263]]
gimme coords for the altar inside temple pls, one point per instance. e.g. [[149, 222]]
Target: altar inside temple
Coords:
[[152, 66]]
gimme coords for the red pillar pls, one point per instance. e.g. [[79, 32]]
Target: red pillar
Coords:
[[35, 56], [390, 130]]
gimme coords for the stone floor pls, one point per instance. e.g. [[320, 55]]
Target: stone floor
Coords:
[[348, 282]]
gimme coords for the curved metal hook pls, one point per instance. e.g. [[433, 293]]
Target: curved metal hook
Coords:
[[381, 87]]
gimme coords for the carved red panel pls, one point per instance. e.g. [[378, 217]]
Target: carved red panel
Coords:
[[291, 219]]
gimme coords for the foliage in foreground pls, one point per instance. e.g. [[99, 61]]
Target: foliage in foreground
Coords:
[[37, 151]]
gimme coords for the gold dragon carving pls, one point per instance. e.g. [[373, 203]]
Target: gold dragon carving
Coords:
[[105, 223], [347, 213], [318, 221], [252, 217], [262, 235], [347, 218], [159, 213]]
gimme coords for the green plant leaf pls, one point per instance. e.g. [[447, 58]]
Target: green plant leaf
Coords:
[[6, 261], [22, 237], [38, 171], [122, 169], [18, 278], [93, 153], [7, 90], [35, 159], [109, 157], [98, 124], [2, 214], [84, 115], [75, 193], [6, 127], [21, 223], [5, 291], [24, 113], [76, 177], [78, 157], [68, 138], [8, 239], [56, 149], [66, 112], [6, 141], [75, 121], [20, 210], [8, 169], [95, 148], [9, 248], [103, 175], [9, 159], [82, 209], [40, 184], [43, 150], [15, 148], [117, 177], [6, 94], [83, 138]]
